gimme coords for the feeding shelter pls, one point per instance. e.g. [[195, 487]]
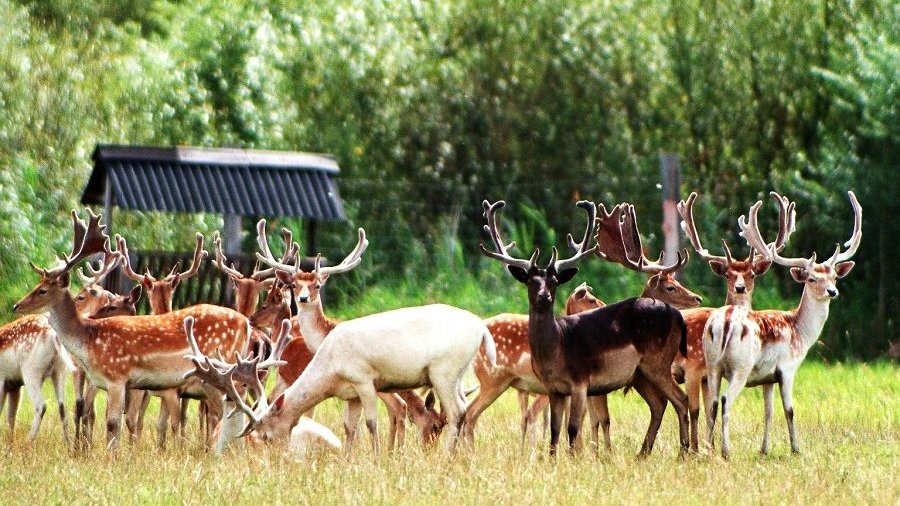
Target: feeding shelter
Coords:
[[231, 182]]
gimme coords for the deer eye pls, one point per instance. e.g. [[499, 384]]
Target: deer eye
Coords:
[[42, 291], [811, 280], [670, 288], [80, 297]]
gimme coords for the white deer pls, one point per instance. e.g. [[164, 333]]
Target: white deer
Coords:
[[752, 348]]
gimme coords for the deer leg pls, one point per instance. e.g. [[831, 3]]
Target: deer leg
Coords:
[[577, 408], [59, 387], [707, 401], [144, 397], [557, 408], [368, 397], [78, 379], [539, 408], [183, 416], [598, 409], [714, 383], [786, 387], [396, 409], [665, 383], [768, 403], [14, 394], [487, 394], [656, 401], [132, 401], [169, 413], [735, 384], [351, 421], [33, 380], [115, 395], [90, 414], [692, 385]]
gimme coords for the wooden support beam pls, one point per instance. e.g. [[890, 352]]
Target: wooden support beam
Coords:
[[671, 182]]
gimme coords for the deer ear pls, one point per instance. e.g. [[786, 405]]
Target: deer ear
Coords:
[[135, 294], [176, 279], [429, 400], [718, 267], [147, 283], [284, 277], [519, 273], [799, 274], [279, 402], [64, 279], [566, 275], [843, 268], [761, 266]]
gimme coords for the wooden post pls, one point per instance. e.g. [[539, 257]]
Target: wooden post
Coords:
[[232, 245], [311, 238], [670, 176]]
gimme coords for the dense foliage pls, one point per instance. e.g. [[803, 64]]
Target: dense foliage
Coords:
[[431, 107]]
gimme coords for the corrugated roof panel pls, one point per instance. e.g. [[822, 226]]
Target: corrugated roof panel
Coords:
[[178, 182]]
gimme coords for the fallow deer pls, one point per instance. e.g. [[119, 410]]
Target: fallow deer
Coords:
[[297, 357], [122, 352], [599, 351], [752, 348], [313, 326], [307, 436], [160, 292], [511, 331], [740, 278]]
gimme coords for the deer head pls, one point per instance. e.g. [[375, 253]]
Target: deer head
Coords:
[[93, 296], [119, 305], [740, 275], [619, 241], [582, 299], [89, 238], [541, 282], [819, 279], [160, 291], [246, 288], [306, 286]]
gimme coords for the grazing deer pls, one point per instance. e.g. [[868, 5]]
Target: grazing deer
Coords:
[[122, 352], [313, 326], [160, 293], [752, 348], [307, 436], [599, 351], [619, 241], [740, 278]]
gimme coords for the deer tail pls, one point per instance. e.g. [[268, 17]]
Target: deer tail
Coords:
[[684, 338], [490, 349]]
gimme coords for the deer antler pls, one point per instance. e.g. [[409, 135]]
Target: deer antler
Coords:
[[582, 247], [122, 247], [88, 239], [686, 210], [291, 249], [348, 263], [199, 255], [620, 242], [490, 211], [853, 243], [750, 230], [108, 264]]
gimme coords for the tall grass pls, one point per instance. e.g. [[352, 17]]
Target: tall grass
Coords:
[[846, 415]]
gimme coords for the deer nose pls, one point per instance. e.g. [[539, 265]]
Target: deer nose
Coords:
[[832, 292], [740, 288], [16, 306], [698, 298], [303, 298]]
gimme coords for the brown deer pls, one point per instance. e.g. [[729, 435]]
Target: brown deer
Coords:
[[511, 331], [122, 352], [740, 278], [160, 292], [599, 351], [313, 326], [752, 348]]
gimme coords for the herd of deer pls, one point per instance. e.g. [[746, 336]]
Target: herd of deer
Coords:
[[221, 356]]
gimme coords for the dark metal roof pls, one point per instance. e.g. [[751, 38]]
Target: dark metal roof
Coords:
[[229, 181]]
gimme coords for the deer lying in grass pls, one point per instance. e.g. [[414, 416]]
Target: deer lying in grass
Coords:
[[313, 327], [122, 352], [307, 436], [740, 278], [599, 351], [511, 331], [752, 348]]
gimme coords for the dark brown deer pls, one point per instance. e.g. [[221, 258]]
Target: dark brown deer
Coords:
[[740, 278], [600, 351]]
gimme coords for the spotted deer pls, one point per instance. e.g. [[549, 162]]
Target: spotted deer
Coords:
[[750, 348], [96, 302], [632, 342], [160, 292], [123, 352], [313, 327], [511, 331], [740, 278]]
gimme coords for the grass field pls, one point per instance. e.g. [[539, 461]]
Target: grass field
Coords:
[[848, 420]]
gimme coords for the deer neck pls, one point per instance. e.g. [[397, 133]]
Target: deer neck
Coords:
[[809, 318], [72, 329], [246, 299], [314, 325], [739, 300], [543, 335]]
